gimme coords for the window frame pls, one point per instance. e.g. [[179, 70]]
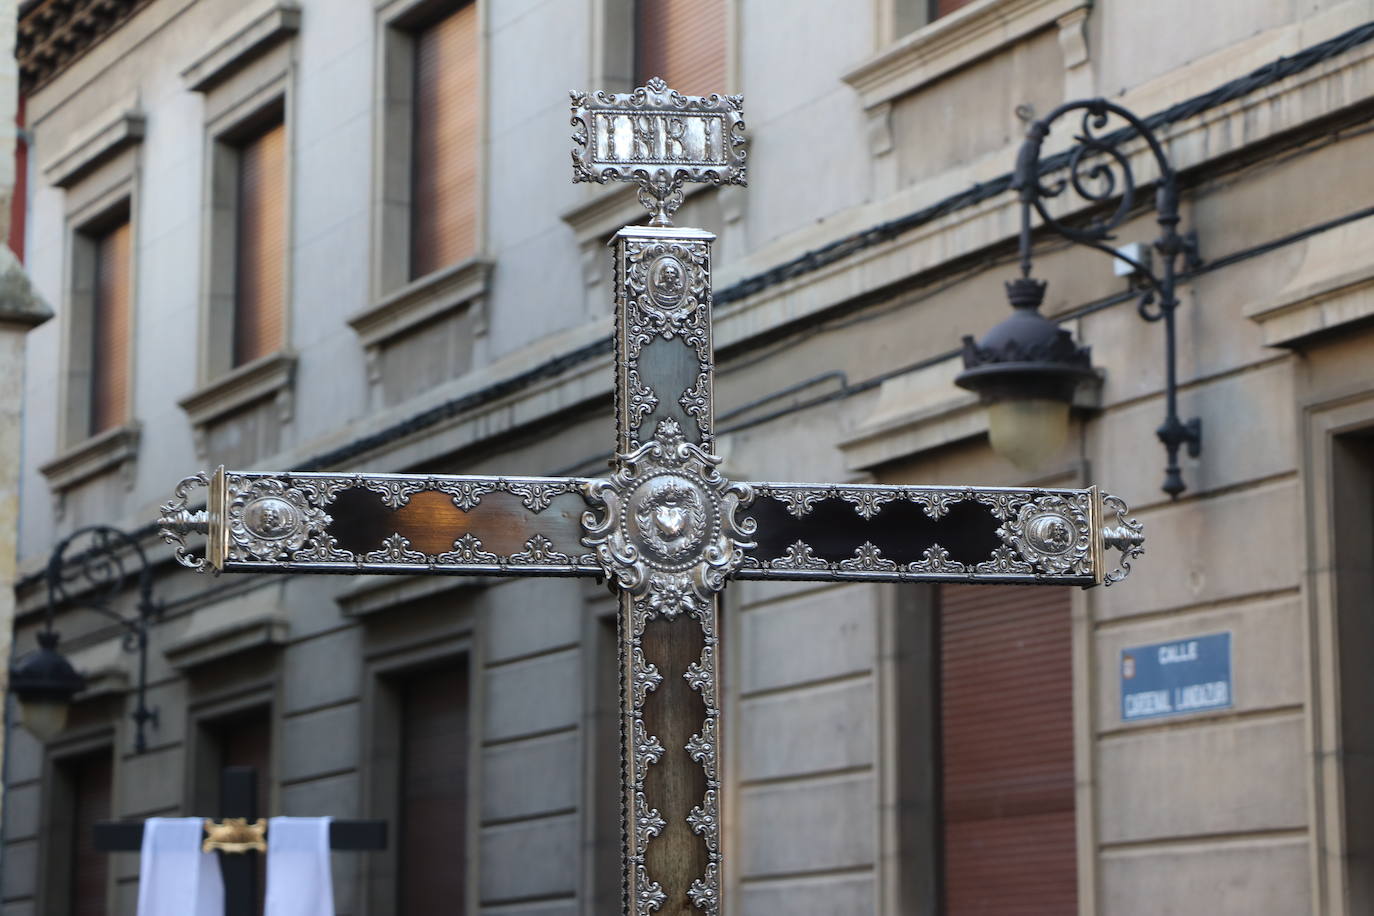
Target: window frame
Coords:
[[398, 21], [380, 770], [101, 177], [54, 891]]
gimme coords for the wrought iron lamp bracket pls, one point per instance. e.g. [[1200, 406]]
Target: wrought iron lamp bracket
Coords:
[[92, 579], [1099, 172]]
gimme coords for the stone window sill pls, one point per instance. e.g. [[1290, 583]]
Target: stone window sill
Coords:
[[244, 42], [957, 40], [253, 634], [432, 296], [1324, 294], [113, 448], [266, 377]]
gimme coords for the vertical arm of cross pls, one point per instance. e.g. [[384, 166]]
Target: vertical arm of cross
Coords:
[[670, 708]]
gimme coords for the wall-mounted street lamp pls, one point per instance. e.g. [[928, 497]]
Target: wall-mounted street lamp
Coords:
[[44, 681], [1027, 368]]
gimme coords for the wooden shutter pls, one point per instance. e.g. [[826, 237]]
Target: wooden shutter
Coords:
[[260, 293], [682, 41], [443, 211], [945, 7], [1006, 708], [245, 740], [91, 779], [112, 320], [434, 791]]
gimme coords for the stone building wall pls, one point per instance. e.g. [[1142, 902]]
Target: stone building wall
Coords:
[[838, 368]]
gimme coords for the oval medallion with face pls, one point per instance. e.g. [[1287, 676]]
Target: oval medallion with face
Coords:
[[271, 518], [667, 280], [1050, 534]]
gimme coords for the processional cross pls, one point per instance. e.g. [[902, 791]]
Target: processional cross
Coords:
[[239, 837], [666, 529]]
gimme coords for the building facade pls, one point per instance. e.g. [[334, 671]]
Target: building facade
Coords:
[[342, 235]]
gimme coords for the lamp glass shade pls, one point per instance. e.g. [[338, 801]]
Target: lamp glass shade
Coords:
[[43, 717], [1028, 431]]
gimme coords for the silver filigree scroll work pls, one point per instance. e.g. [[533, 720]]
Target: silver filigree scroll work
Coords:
[[1126, 536], [668, 530], [659, 139]]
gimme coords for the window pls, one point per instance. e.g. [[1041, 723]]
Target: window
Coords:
[[110, 327], [684, 42], [238, 739], [431, 789], [1006, 776], [260, 247], [1352, 543], [445, 132], [910, 15], [79, 873]]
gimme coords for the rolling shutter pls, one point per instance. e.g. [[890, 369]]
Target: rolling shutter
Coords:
[[259, 313], [112, 321], [682, 41], [1007, 792], [92, 777], [433, 791], [443, 212], [945, 7]]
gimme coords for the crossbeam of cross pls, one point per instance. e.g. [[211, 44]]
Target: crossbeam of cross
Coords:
[[666, 529]]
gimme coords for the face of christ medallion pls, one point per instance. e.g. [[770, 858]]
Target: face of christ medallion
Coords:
[[666, 530]]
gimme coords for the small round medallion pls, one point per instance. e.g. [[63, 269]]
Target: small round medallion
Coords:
[[667, 280], [1050, 534], [669, 518], [271, 518]]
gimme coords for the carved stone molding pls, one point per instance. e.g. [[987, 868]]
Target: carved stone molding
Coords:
[[95, 146], [54, 33], [951, 42], [268, 377], [464, 285], [112, 449], [241, 43]]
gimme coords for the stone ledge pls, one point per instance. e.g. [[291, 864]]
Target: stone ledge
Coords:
[[924, 409], [1326, 293], [419, 301], [265, 377], [102, 452], [243, 43], [95, 147], [199, 649], [371, 594], [952, 42]]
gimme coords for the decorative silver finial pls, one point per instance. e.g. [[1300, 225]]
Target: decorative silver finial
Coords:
[[1127, 536], [178, 520], [659, 139]]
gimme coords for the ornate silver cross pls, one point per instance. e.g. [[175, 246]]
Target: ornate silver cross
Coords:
[[666, 529]]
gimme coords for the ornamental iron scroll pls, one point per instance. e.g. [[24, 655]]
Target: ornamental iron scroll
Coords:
[[1100, 172], [660, 139]]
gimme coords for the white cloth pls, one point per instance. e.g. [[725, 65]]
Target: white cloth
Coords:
[[299, 878], [175, 878]]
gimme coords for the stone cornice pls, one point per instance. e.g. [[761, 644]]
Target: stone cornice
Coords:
[[952, 42], [242, 41], [90, 149], [54, 33]]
